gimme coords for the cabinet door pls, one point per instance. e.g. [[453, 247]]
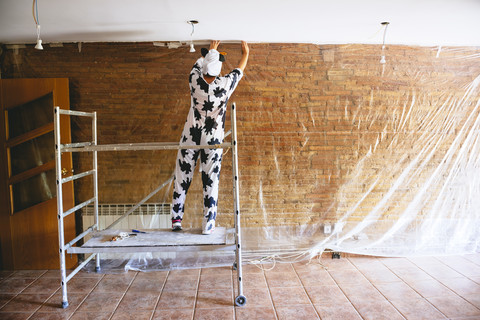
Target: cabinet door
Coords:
[[29, 163]]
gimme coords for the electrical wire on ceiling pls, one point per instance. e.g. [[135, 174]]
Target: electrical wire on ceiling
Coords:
[[35, 12]]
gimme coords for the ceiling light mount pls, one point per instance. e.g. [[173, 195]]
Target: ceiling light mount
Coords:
[[385, 24], [193, 23]]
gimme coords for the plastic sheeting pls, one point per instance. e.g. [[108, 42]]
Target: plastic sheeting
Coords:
[[402, 180]]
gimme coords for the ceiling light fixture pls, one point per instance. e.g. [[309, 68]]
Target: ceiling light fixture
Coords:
[[193, 23], [38, 46], [382, 59]]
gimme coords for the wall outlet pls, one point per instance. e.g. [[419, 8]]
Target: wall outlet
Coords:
[[327, 228]]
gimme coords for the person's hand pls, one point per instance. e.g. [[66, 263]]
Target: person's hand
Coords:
[[214, 44], [245, 48]]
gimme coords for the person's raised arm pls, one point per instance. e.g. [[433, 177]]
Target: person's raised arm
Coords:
[[214, 44], [245, 53]]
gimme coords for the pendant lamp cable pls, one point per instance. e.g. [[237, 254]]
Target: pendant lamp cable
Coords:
[[382, 60]]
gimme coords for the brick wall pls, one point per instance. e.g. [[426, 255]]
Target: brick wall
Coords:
[[324, 131]]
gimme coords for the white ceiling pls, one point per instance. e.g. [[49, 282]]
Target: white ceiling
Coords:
[[412, 22]]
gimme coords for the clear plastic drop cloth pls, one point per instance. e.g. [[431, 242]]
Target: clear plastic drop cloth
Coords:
[[342, 152]]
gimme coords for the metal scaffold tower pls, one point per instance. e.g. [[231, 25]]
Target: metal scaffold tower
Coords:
[[156, 240]]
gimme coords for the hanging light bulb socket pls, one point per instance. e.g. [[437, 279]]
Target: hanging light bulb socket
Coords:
[[193, 23], [382, 59], [38, 46]]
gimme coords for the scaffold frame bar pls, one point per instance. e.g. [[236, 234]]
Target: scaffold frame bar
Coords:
[[95, 148]]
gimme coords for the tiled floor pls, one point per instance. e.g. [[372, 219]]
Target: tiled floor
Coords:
[[352, 287]]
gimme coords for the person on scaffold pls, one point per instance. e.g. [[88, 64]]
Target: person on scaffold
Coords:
[[205, 125]]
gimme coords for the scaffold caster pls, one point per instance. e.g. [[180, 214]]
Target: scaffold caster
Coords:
[[64, 304], [98, 269], [335, 255], [240, 301]]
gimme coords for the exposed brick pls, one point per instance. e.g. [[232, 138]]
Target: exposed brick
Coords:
[[317, 125]]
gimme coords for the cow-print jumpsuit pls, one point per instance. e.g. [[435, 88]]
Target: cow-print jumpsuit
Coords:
[[205, 125]]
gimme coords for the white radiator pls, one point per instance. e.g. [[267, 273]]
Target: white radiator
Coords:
[[147, 216]]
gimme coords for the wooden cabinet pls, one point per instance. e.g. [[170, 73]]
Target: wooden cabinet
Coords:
[[28, 209]]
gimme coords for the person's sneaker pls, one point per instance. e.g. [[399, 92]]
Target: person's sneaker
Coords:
[[208, 227], [176, 224]]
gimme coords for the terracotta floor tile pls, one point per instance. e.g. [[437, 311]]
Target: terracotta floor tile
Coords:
[[251, 268], [347, 276], [6, 273], [211, 281], [462, 286], [289, 296], [212, 299], [282, 279], [26, 302], [54, 303], [147, 285], [109, 283], [5, 297], [416, 288], [367, 263], [309, 266], [361, 293], [440, 271], [214, 314], [182, 274], [178, 314], [380, 276], [128, 315], [377, 309], [82, 285], [184, 284], [337, 264], [28, 273], [397, 263], [15, 315], [91, 315], [461, 265], [152, 275], [397, 290], [412, 274], [43, 285], [475, 258], [278, 267], [326, 295], [101, 302], [15, 285], [417, 309], [251, 313], [454, 306], [315, 278], [475, 279], [255, 280], [40, 315], [430, 288], [343, 311], [258, 297], [217, 271], [473, 299], [301, 312], [177, 299], [134, 301]]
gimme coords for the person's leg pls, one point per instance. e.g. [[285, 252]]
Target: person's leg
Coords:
[[184, 169], [210, 166]]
